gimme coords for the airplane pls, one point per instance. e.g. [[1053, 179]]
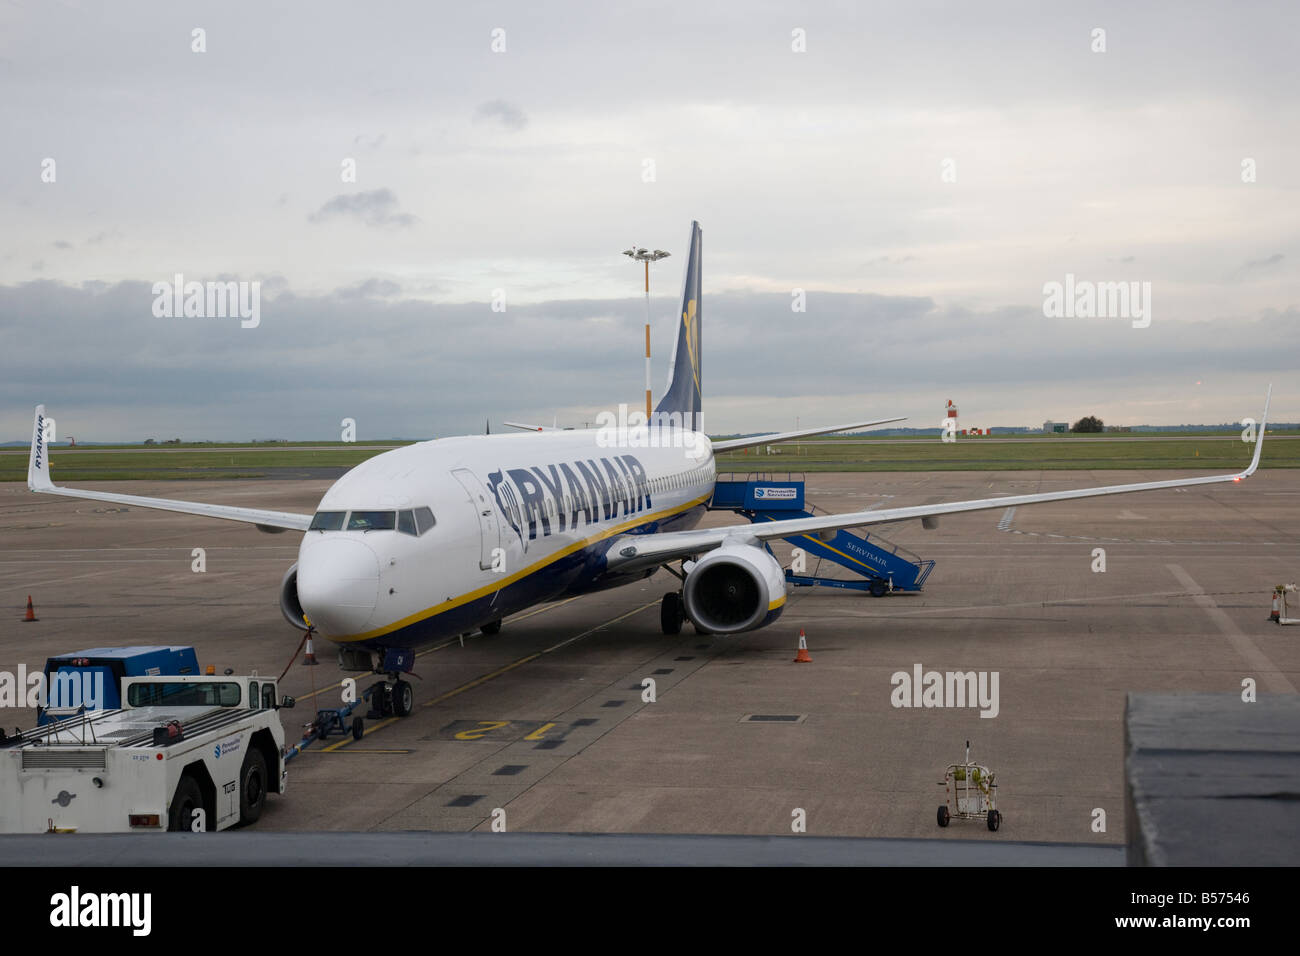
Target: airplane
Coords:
[[437, 539]]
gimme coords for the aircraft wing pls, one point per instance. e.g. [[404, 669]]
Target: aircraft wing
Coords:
[[774, 437], [38, 480], [631, 552]]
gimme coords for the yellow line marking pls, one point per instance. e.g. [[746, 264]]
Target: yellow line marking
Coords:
[[481, 680], [532, 657], [451, 641], [355, 750], [496, 673], [347, 740], [484, 728], [537, 734]]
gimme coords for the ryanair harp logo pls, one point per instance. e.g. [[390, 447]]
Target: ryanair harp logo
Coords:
[[507, 504]]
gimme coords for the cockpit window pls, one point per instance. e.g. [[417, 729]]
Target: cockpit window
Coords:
[[406, 523], [424, 519], [327, 521], [372, 521]]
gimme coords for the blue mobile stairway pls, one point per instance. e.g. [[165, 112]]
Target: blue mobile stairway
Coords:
[[882, 565]]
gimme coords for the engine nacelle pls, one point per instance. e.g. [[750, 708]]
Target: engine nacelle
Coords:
[[290, 606], [734, 588]]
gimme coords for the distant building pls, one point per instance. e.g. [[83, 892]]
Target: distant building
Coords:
[[1119, 428], [1055, 427]]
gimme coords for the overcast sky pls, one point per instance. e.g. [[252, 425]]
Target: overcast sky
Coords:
[[920, 170]]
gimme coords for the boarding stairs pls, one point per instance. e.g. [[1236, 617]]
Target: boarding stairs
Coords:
[[881, 565]]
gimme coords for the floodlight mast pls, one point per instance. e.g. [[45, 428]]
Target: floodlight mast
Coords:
[[640, 254]]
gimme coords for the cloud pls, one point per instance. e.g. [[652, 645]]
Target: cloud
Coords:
[[1266, 263], [412, 370], [507, 114], [378, 207], [371, 288], [62, 244]]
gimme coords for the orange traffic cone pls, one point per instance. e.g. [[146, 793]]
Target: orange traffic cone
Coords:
[[310, 656], [802, 657], [1274, 615], [31, 612]]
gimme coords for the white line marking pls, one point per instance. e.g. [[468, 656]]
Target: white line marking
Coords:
[[1272, 678]]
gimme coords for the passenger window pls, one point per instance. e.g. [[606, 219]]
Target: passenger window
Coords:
[[423, 520], [406, 523]]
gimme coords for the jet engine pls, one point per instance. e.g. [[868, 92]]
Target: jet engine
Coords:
[[734, 588], [290, 606]]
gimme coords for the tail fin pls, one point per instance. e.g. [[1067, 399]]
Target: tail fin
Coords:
[[683, 396]]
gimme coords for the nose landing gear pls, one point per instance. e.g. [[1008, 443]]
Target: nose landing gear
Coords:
[[391, 698]]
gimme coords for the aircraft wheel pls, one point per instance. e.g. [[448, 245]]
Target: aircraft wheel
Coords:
[[671, 614], [403, 699], [492, 627]]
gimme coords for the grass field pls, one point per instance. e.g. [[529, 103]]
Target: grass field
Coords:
[[70, 466], [977, 454]]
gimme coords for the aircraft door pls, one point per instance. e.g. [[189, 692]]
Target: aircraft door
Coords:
[[489, 526]]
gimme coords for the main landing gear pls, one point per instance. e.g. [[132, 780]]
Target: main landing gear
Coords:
[[671, 613]]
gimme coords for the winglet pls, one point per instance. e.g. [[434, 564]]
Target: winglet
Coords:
[[38, 465], [1259, 436]]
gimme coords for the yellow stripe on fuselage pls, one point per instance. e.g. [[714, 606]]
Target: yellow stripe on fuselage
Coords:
[[477, 593]]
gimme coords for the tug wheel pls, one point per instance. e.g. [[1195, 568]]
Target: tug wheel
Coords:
[[252, 786], [187, 800]]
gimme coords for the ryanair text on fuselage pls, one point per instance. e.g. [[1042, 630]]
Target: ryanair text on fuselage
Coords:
[[594, 489]]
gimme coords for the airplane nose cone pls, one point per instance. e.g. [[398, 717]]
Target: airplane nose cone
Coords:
[[338, 584]]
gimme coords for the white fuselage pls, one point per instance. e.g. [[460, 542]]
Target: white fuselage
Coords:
[[516, 519]]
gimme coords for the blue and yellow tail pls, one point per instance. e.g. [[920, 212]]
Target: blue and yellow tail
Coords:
[[683, 396]]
